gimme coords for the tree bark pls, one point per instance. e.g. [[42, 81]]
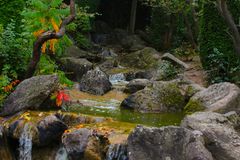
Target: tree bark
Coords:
[[48, 35], [133, 16], [235, 35], [190, 32]]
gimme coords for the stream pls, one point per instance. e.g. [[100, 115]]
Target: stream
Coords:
[[108, 105]]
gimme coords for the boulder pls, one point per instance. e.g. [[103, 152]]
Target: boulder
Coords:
[[108, 53], [136, 85], [83, 144], [166, 143], [132, 43], [222, 97], [30, 93], [76, 67], [159, 98], [75, 52], [222, 140], [76, 142], [175, 60], [50, 129], [95, 82], [43, 130], [143, 59]]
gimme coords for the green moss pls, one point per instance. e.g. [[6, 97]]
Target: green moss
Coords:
[[171, 96], [143, 59], [193, 106]]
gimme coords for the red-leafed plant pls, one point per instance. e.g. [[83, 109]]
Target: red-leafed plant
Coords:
[[61, 97]]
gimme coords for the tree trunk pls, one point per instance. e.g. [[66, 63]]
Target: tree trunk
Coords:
[[190, 32], [133, 17], [169, 33], [48, 35], [235, 35]]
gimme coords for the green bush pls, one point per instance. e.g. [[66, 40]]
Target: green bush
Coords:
[[47, 66], [216, 46], [11, 10], [81, 28], [15, 51], [166, 71]]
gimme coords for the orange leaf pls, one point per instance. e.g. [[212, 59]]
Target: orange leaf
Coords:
[[44, 46], [58, 102], [37, 33], [54, 24]]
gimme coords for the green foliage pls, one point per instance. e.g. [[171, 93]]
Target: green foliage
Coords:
[[81, 27], [91, 5], [40, 13], [11, 10], [4, 81], [14, 51], [216, 46], [166, 71], [47, 66]]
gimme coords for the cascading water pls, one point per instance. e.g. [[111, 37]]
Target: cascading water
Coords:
[[117, 152], [116, 78], [25, 144]]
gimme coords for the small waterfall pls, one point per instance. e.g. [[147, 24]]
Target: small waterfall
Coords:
[[61, 154], [117, 152], [25, 144], [116, 78]]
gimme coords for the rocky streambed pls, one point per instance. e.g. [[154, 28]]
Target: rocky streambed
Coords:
[[123, 108]]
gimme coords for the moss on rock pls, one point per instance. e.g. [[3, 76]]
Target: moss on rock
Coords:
[[171, 96], [193, 106], [144, 59]]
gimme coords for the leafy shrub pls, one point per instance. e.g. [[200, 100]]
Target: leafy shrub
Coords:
[[166, 71], [81, 27], [216, 47], [11, 10], [15, 51], [47, 66]]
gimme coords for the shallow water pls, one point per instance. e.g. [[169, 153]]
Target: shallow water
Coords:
[[123, 115], [108, 105]]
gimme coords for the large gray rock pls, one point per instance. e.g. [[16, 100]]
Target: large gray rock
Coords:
[[142, 59], [136, 85], [50, 129], [75, 52], [30, 93], [166, 143], [220, 136], [159, 98], [95, 82], [76, 142], [85, 144], [76, 67], [222, 97], [43, 130]]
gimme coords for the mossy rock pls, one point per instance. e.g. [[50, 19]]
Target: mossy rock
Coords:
[[193, 106], [143, 59], [170, 96], [161, 97]]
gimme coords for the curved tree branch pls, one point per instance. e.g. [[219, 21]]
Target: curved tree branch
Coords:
[[48, 35]]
